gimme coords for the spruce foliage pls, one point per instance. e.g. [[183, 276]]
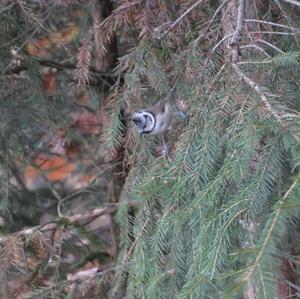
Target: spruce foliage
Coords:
[[219, 217]]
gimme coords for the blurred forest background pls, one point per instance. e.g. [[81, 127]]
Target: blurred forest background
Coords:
[[91, 209]]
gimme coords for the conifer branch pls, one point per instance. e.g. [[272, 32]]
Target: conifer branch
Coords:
[[128, 254], [28, 13], [268, 237], [278, 116], [179, 19], [234, 58], [231, 163], [83, 60]]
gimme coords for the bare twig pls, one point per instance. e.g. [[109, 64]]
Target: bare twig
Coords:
[[179, 19], [269, 44], [250, 62], [220, 42], [90, 273], [271, 23], [69, 220], [251, 37], [257, 48], [275, 32]]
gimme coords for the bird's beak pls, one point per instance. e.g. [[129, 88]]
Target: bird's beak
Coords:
[[135, 120]]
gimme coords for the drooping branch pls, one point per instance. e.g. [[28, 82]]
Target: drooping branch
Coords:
[[233, 24], [250, 271]]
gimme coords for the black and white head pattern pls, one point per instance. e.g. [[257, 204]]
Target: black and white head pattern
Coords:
[[144, 121]]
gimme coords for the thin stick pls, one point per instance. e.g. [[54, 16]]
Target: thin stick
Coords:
[[269, 44], [90, 273], [257, 48], [72, 219], [275, 32], [271, 23], [220, 42]]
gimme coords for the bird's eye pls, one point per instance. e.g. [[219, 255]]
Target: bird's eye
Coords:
[[136, 120]]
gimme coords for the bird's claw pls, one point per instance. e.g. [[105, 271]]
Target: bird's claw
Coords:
[[165, 151]]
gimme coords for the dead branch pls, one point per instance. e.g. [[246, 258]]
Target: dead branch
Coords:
[[90, 273], [68, 220]]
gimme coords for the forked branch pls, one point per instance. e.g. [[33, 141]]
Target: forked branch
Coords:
[[234, 61]]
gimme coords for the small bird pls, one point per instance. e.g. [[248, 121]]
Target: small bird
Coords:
[[155, 120]]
